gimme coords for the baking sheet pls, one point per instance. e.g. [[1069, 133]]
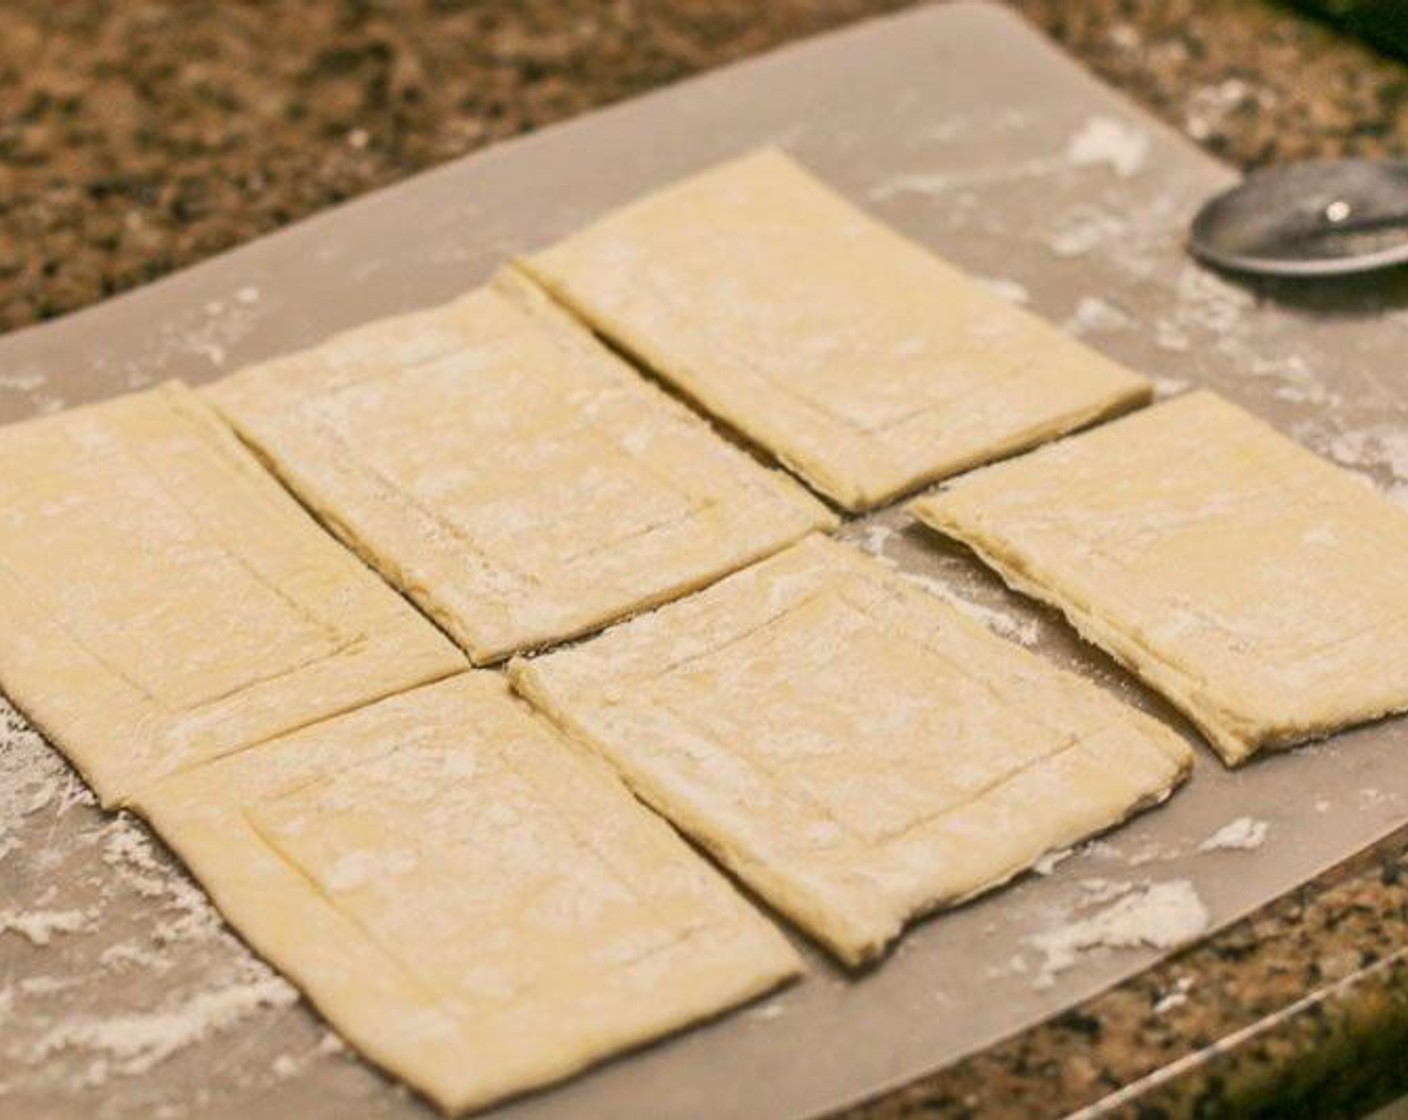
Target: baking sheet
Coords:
[[120, 992]]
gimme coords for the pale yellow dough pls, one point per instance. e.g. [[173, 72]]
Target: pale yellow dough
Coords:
[[1256, 586], [477, 905], [852, 747], [858, 358], [508, 472], [163, 601]]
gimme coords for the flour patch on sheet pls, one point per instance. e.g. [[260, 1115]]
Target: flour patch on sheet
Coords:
[[1153, 916]]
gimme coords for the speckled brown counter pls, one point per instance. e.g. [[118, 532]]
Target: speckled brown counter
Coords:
[[137, 140]]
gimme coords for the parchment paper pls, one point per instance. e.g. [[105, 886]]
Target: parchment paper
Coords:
[[123, 995]]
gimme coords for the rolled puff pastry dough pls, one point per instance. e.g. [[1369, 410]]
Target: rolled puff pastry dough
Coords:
[[853, 748], [1256, 586], [163, 601], [508, 472], [859, 359], [475, 904]]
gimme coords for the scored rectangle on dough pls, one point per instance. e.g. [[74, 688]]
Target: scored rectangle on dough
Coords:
[[476, 904], [508, 472], [1252, 583], [163, 601], [854, 355], [853, 748]]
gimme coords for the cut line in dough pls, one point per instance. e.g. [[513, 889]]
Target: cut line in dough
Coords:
[[1250, 582], [163, 601], [477, 905], [855, 356], [853, 748], [509, 473]]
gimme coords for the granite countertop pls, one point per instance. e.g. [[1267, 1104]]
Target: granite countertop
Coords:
[[139, 138]]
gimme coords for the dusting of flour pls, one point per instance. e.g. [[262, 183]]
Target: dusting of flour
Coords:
[[1242, 834], [1156, 916], [1176, 997], [1105, 141], [876, 537], [129, 1044], [40, 926], [112, 961], [1094, 314], [1009, 290], [1024, 631]]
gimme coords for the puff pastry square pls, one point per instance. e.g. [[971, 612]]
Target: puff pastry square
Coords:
[[163, 601], [474, 903], [508, 472], [1256, 586], [853, 748], [854, 355]]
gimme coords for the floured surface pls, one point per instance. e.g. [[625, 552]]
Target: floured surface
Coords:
[[508, 472], [163, 602], [856, 751], [863, 362], [1254, 585], [953, 123], [476, 905], [176, 984], [1160, 916]]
